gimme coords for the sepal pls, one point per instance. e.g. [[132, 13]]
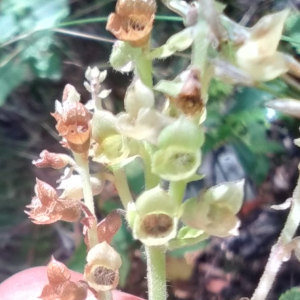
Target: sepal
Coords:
[[187, 236], [215, 210], [176, 163], [153, 218], [178, 42], [138, 96]]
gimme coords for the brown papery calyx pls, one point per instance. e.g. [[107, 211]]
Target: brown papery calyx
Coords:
[[74, 125], [133, 21], [189, 99]]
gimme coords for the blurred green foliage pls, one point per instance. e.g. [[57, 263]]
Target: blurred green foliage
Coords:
[[292, 294], [36, 50]]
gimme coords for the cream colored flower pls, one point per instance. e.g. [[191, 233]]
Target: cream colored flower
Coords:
[[102, 269], [258, 56]]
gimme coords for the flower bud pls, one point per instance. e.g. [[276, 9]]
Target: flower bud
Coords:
[[153, 218], [138, 96], [121, 57], [72, 187], [52, 160], [70, 95], [215, 210], [102, 269], [103, 125]]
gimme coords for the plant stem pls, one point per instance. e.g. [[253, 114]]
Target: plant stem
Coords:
[[275, 260], [83, 169], [156, 273], [121, 185], [177, 190], [151, 180], [144, 68], [156, 259], [105, 295]]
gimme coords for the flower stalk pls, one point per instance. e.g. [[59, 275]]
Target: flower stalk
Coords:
[[83, 169], [275, 259], [156, 273]]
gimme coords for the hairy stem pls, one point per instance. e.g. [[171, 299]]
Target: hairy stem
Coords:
[[121, 185], [156, 273], [156, 259], [83, 169], [177, 190], [143, 66], [151, 180], [275, 260]]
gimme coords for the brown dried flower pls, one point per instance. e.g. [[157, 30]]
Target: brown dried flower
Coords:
[[73, 124], [47, 208], [133, 21], [189, 99], [60, 286], [106, 229], [102, 269], [51, 160]]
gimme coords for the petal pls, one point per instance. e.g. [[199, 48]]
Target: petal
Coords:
[[228, 194]]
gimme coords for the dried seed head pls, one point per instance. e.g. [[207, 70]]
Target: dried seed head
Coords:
[[105, 276], [102, 269], [189, 99], [133, 21], [157, 224], [74, 125], [51, 160]]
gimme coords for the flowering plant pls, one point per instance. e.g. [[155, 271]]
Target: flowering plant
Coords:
[[167, 141]]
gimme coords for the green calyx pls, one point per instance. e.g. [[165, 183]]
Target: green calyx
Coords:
[[183, 133], [215, 210], [176, 163], [153, 218], [103, 125]]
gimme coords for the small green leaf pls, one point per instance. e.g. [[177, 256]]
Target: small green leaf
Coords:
[[292, 294], [171, 88], [187, 236], [177, 42]]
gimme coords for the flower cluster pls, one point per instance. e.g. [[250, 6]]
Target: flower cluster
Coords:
[[165, 139]]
